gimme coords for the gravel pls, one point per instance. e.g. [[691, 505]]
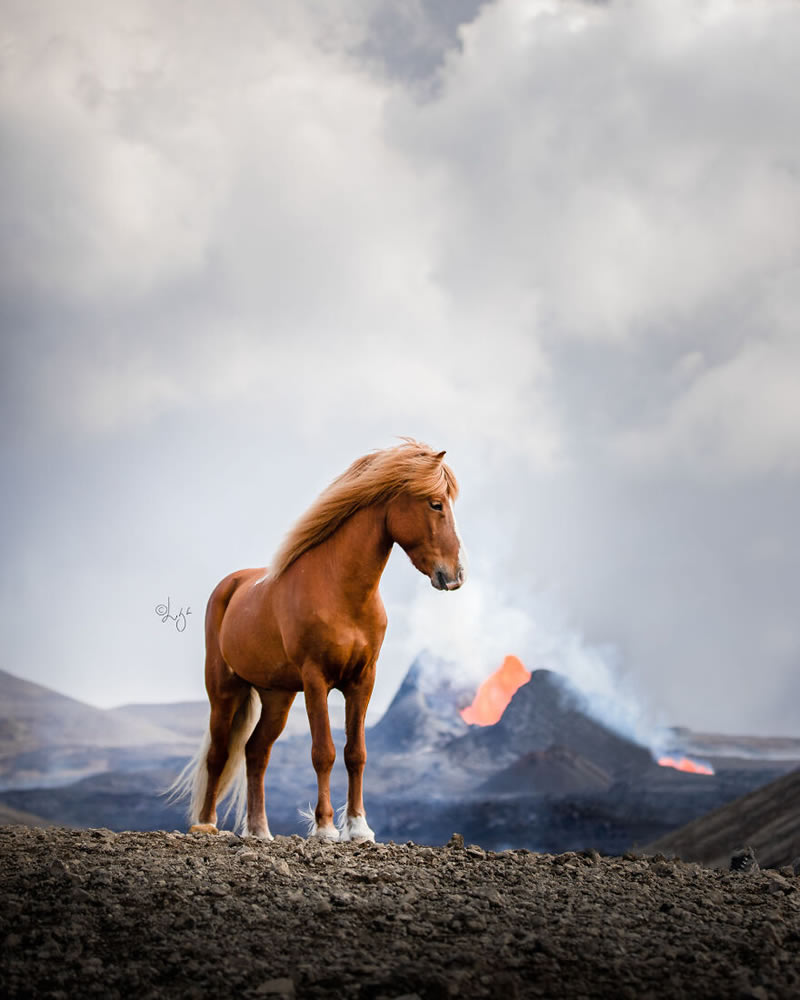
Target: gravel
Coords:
[[150, 915]]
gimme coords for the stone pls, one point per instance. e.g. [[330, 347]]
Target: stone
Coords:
[[744, 860], [282, 987], [777, 883]]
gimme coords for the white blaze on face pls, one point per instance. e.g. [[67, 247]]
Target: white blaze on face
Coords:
[[462, 551]]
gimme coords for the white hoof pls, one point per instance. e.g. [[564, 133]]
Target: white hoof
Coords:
[[325, 832], [312, 830], [356, 828], [260, 834]]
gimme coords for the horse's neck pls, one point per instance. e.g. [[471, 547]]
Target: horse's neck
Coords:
[[358, 552]]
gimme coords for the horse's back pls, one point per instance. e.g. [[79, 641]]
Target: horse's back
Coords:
[[223, 592]]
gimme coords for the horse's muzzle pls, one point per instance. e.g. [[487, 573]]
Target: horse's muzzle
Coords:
[[442, 581]]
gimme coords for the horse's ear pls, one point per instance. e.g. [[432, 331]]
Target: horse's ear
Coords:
[[440, 456]]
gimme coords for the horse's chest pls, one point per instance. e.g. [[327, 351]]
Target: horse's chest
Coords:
[[343, 651], [348, 650]]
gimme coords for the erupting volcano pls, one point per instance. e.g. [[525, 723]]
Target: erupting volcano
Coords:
[[495, 693], [685, 764]]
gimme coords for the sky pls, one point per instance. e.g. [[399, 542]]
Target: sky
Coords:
[[243, 244]]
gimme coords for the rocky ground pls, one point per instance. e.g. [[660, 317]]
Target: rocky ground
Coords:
[[94, 913]]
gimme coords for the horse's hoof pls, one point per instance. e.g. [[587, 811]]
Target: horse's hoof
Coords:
[[356, 830], [326, 833], [203, 828], [264, 835]]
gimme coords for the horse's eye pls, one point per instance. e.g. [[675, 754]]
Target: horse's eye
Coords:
[[436, 504]]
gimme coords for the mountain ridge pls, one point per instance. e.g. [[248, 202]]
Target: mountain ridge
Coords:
[[33, 715]]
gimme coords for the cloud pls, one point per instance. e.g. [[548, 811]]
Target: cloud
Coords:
[[738, 419], [557, 239]]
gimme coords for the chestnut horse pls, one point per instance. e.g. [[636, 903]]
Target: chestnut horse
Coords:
[[313, 622]]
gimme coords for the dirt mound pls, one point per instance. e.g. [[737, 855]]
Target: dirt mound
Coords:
[[767, 819], [93, 913]]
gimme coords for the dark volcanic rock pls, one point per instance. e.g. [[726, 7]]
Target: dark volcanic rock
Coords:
[[93, 913], [555, 771]]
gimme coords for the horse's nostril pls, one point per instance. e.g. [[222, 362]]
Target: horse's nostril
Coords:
[[441, 579]]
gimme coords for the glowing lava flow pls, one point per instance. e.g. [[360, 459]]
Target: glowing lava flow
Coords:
[[495, 693], [685, 764]]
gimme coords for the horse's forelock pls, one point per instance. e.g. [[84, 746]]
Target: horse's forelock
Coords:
[[424, 472], [452, 482]]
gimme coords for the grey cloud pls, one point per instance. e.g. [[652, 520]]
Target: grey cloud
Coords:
[[410, 41], [242, 252]]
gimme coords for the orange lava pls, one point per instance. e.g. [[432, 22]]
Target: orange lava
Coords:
[[495, 693], [685, 764]]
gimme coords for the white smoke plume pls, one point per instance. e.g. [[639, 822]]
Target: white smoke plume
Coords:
[[476, 627]]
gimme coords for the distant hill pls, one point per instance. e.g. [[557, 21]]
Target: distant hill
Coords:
[[187, 718], [768, 820], [18, 817], [727, 747], [48, 739], [33, 716]]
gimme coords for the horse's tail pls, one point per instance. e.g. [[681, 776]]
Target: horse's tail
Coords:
[[192, 782]]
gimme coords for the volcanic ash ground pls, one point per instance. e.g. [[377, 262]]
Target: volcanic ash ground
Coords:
[[93, 913]]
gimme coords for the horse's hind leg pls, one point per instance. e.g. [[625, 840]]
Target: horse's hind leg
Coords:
[[226, 695], [275, 707], [223, 711]]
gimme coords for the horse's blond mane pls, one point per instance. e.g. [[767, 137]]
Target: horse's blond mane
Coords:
[[373, 478]]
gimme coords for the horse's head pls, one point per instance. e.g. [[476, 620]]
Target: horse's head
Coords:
[[425, 527]]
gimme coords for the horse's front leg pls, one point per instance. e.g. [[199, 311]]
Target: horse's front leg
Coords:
[[353, 825], [323, 752]]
